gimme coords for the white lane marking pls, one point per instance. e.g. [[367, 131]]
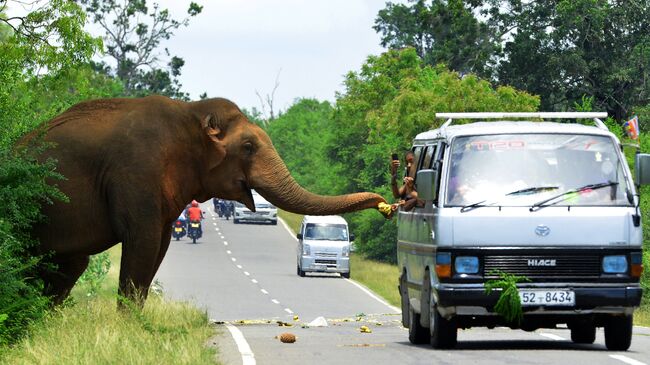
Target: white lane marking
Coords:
[[246, 273], [275, 301], [215, 223], [288, 229], [365, 290], [552, 336], [247, 355], [228, 252], [264, 292], [233, 259], [254, 281], [239, 266], [225, 243], [627, 360], [217, 229], [288, 310]]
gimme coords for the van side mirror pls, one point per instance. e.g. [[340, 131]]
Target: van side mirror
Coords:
[[642, 168], [426, 184], [299, 236], [351, 237]]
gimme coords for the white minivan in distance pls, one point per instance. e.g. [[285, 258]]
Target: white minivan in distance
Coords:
[[554, 203], [324, 245], [265, 212]]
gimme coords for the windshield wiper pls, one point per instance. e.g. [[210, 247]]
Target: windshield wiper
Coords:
[[468, 207], [541, 204], [533, 190]]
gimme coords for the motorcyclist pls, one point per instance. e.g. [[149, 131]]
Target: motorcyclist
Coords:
[[195, 214]]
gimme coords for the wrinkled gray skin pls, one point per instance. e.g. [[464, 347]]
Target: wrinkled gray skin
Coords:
[[132, 165]]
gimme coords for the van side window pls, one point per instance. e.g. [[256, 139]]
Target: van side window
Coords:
[[417, 152], [428, 157]]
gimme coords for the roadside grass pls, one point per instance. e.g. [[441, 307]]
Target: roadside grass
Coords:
[[91, 330], [642, 316]]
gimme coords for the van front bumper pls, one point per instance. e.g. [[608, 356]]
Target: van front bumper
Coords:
[[586, 298], [318, 264]]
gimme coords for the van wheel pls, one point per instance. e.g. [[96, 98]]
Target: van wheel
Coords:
[[300, 272], [583, 333], [618, 333], [404, 299], [418, 335], [236, 221], [345, 275], [444, 333]]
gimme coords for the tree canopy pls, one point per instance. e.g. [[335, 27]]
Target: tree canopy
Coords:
[[559, 50]]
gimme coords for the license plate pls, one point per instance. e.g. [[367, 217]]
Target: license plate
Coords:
[[179, 229], [195, 225], [547, 297]]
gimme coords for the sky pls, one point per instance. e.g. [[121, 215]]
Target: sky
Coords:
[[237, 47]]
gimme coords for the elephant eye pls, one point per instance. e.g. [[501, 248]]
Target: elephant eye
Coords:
[[248, 148]]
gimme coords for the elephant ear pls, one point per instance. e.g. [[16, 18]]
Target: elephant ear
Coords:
[[214, 130]]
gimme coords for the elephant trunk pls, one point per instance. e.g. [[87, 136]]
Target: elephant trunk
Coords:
[[274, 182]]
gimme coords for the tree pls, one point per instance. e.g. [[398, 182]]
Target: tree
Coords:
[[393, 98], [43, 71], [443, 32], [133, 44], [562, 50], [299, 136]]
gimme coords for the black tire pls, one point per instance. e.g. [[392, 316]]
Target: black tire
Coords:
[[345, 275], [193, 239], [443, 332], [274, 223], [300, 272], [178, 238], [618, 333], [418, 335], [404, 296], [583, 333], [236, 221]]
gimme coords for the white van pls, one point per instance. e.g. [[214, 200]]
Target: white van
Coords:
[[324, 245], [265, 212], [552, 202]]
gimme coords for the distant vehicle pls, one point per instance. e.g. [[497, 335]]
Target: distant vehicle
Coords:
[[265, 212], [194, 231], [324, 245], [179, 229], [552, 202]]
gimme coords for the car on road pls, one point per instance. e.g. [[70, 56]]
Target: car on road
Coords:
[[546, 210], [265, 212], [324, 244]]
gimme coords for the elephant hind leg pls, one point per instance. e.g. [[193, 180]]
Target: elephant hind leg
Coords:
[[60, 280]]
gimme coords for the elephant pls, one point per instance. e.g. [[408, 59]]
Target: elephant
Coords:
[[131, 165]]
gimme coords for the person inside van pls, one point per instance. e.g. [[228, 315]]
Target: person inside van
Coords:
[[406, 193]]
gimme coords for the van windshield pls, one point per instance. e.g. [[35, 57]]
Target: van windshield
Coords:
[[326, 232], [524, 169]]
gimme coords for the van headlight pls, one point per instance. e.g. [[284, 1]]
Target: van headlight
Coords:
[[615, 264], [306, 250], [346, 251], [466, 265]]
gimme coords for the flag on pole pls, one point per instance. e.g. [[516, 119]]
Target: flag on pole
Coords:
[[631, 127]]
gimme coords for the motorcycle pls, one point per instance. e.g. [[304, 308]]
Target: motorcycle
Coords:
[[194, 231], [179, 230]]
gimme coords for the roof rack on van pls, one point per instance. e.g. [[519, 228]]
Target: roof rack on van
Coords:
[[543, 115]]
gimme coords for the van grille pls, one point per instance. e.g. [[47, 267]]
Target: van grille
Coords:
[[326, 254], [326, 262], [574, 267]]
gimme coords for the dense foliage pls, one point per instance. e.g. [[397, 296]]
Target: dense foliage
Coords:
[[559, 50], [132, 33], [50, 38], [393, 98]]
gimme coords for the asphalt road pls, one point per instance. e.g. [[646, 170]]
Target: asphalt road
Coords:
[[244, 275]]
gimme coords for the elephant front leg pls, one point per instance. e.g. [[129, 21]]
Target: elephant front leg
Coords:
[[138, 265]]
